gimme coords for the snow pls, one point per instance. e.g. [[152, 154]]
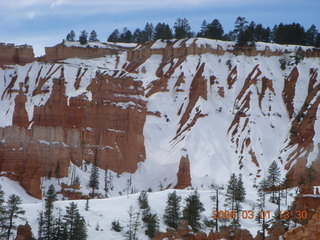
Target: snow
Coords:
[[159, 44], [103, 211], [213, 151], [89, 44]]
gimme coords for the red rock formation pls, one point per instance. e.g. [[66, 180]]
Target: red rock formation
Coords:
[[311, 231], [183, 175], [84, 129], [61, 51], [11, 54], [24, 232]]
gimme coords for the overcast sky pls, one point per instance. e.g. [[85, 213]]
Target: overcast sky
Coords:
[[46, 22]]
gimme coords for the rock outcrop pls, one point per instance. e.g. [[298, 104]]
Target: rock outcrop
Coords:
[[11, 54], [311, 231], [24, 232], [108, 129]]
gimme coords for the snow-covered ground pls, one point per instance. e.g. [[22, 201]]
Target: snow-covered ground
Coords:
[[103, 211]]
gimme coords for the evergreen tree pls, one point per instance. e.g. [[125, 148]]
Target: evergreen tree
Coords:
[[192, 210], [203, 29], [162, 31], [71, 36], [215, 200], [317, 41], [182, 29], [48, 217], [12, 212], [40, 225], [126, 36], [2, 213], [83, 38], [57, 172], [93, 36], [240, 190], [311, 35], [231, 191], [59, 230], [148, 32], [94, 177], [108, 186], [273, 179], [286, 184], [240, 25], [214, 30], [75, 225], [138, 36], [87, 204], [115, 226], [263, 186], [143, 200], [172, 212], [152, 224], [114, 36]]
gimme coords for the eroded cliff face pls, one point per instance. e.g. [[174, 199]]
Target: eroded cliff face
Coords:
[[106, 129], [228, 109]]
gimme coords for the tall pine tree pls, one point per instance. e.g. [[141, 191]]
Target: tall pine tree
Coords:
[[192, 211], [94, 176], [172, 212], [48, 215], [13, 211]]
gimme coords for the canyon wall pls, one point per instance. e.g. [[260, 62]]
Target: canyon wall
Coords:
[[11, 54]]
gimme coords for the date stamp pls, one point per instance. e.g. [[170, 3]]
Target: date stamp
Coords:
[[250, 214]]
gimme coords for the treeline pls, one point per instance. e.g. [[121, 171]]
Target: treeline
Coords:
[[244, 33]]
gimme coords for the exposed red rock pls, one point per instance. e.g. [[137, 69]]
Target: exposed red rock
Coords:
[[114, 134], [11, 54], [183, 175], [311, 231], [24, 232]]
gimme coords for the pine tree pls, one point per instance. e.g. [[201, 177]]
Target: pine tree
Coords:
[[317, 41], [93, 36], [108, 185], [162, 31], [231, 191], [74, 223], [48, 217], [87, 204], [214, 30], [83, 38], [12, 212], [59, 230], [215, 200], [57, 172], [148, 32], [143, 200], [286, 184], [2, 213], [192, 210], [71, 36], [138, 36], [240, 190], [273, 179], [263, 185], [182, 28], [94, 177], [114, 36], [203, 29], [172, 212], [152, 224], [40, 225]]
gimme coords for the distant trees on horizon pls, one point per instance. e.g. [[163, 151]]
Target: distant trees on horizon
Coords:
[[244, 33]]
